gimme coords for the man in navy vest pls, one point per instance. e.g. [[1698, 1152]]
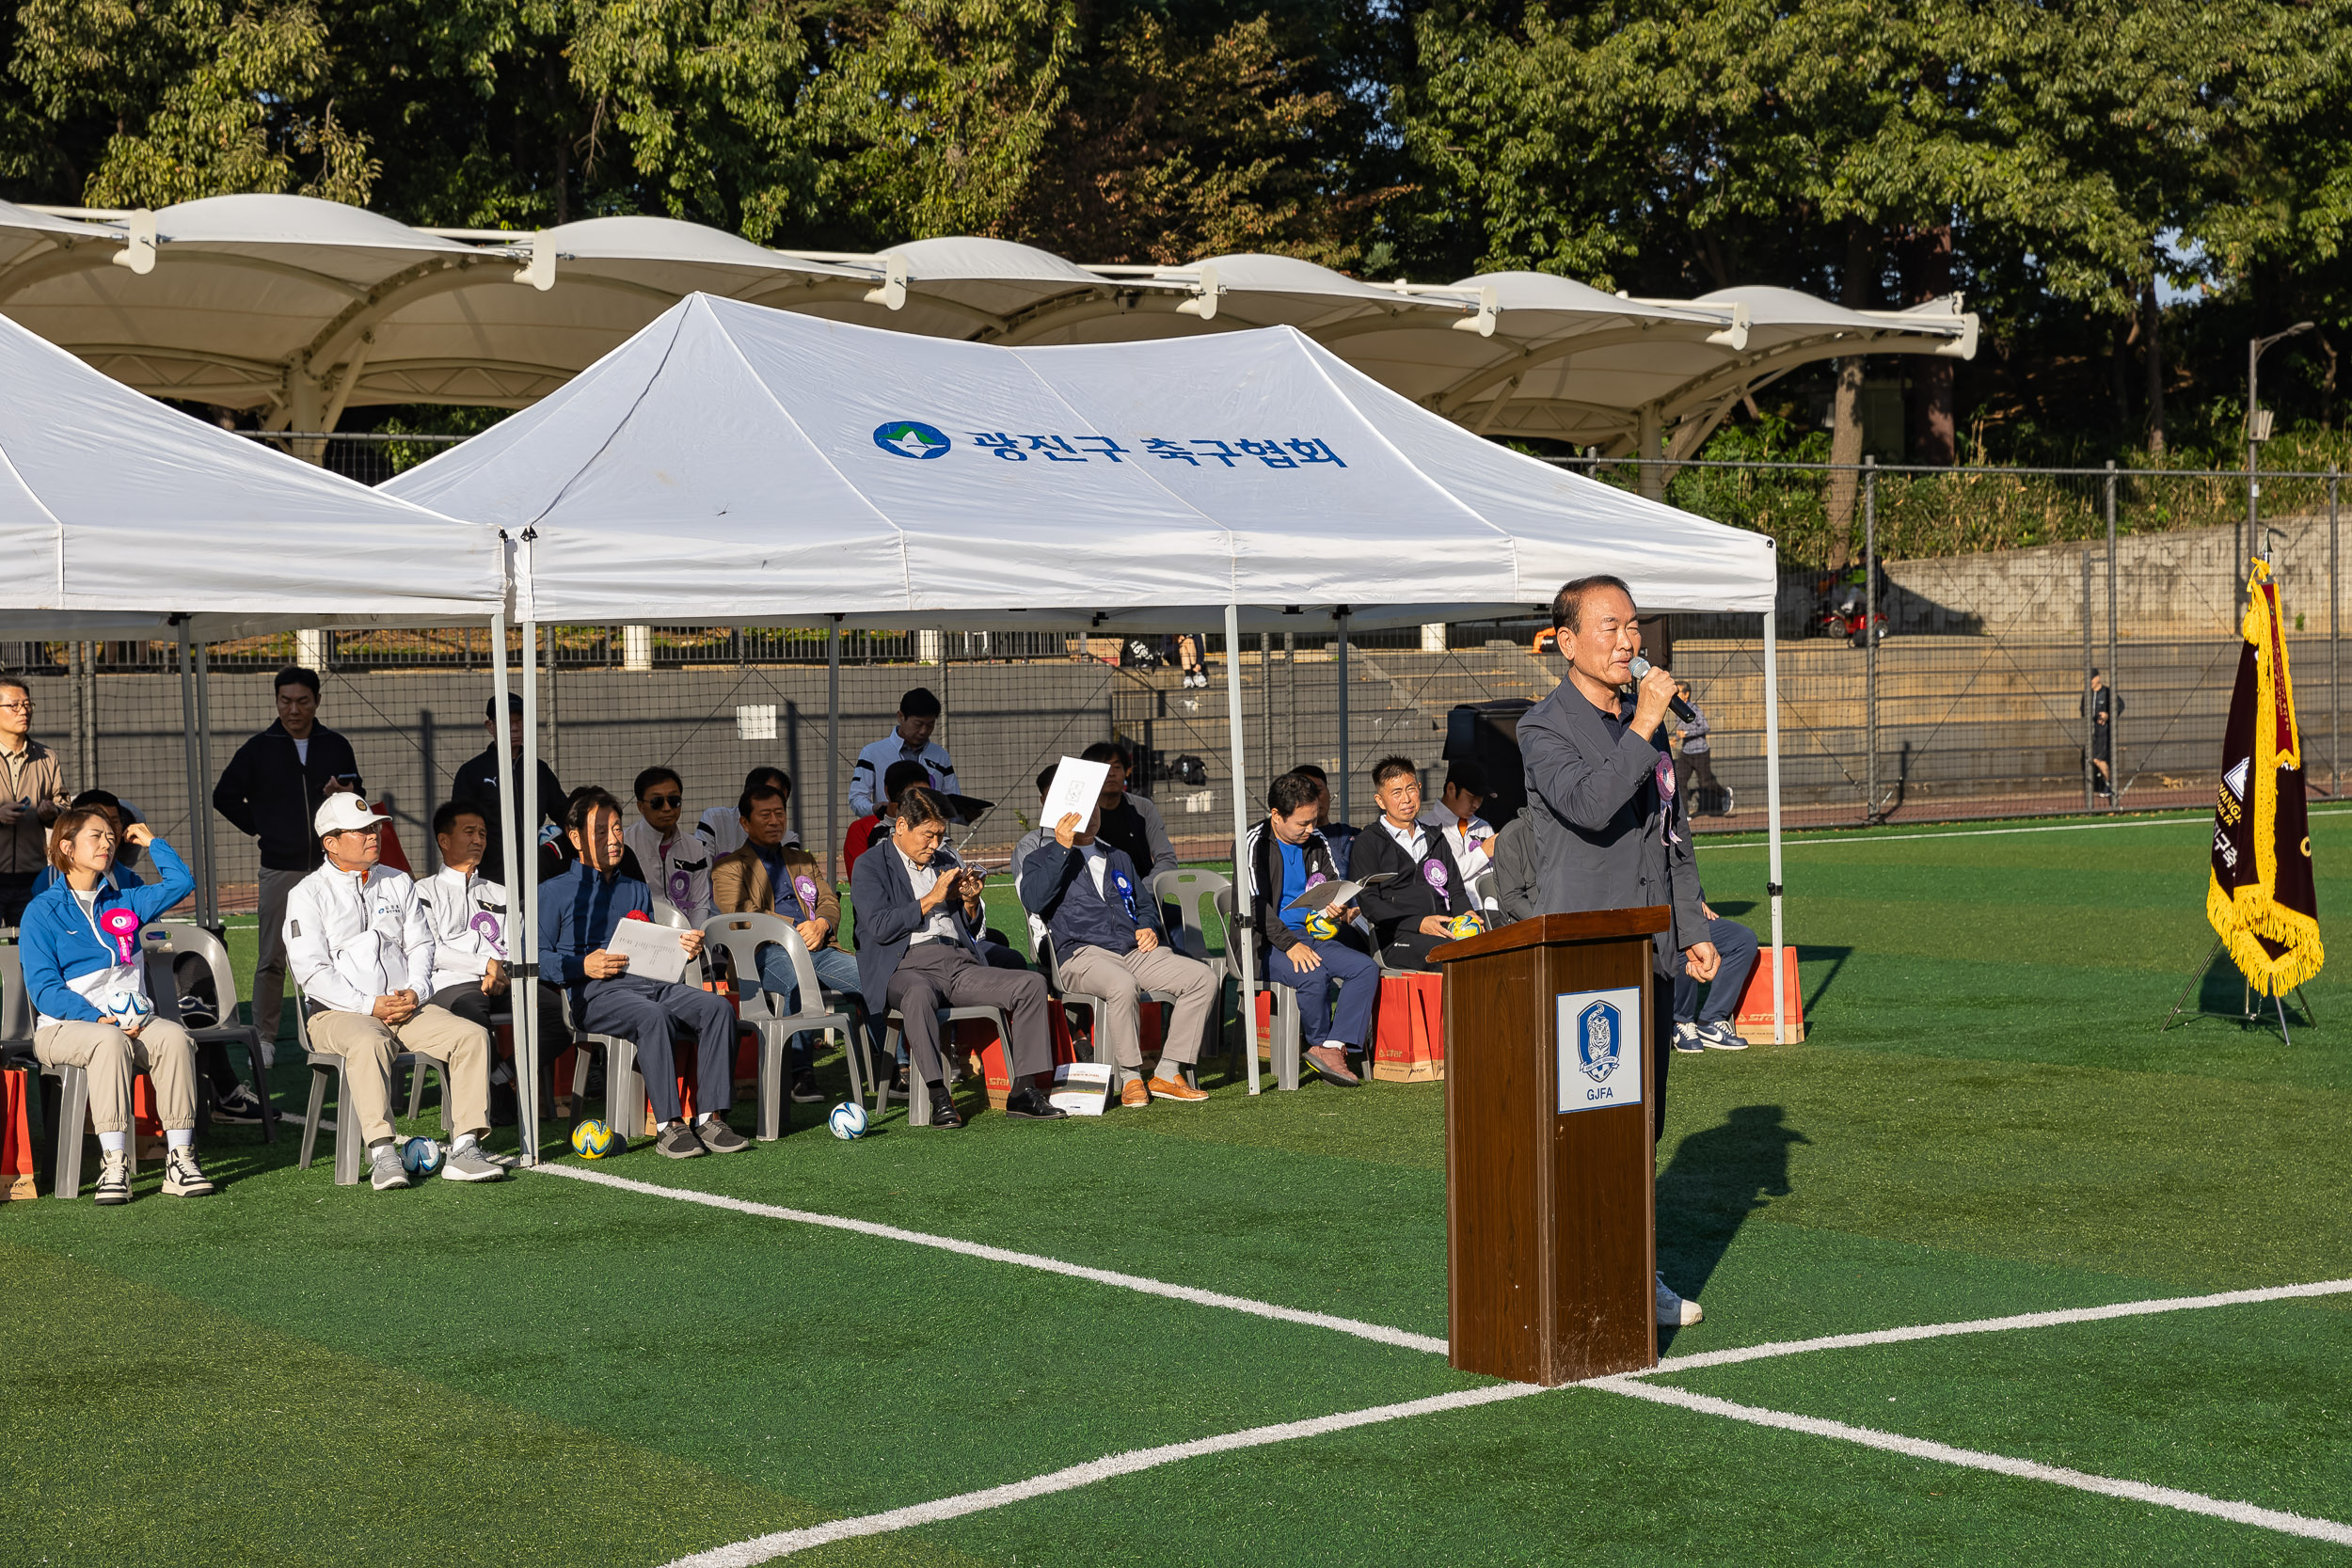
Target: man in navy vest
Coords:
[[1109, 942]]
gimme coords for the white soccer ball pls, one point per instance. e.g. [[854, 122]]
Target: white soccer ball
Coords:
[[127, 1010], [848, 1119]]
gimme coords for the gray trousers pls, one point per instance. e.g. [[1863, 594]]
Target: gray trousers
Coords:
[[936, 974], [269, 971]]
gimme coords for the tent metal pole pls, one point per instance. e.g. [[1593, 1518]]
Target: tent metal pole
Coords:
[[207, 890], [522, 855], [1240, 940], [1771, 814], [1341, 806], [197, 802], [522, 986], [832, 747]]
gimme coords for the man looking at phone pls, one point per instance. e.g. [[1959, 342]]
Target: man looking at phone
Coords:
[[35, 790], [271, 790]]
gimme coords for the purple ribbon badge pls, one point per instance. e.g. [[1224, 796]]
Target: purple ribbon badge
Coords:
[[804, 889], [487, 924], [121, 925], [1433, 872], [680, 886], [1314, 878]]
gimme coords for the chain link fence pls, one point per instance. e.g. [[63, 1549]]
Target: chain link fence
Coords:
[[1918, 683]]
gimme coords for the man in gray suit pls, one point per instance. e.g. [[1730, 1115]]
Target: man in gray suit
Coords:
[[1610, 831]]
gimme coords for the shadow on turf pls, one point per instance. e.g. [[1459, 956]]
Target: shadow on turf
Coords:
[[1717, 1179]]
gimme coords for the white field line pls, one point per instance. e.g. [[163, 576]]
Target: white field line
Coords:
[[1994, 1325], [1845, 841], [767, 1548], [1378, 1333], [1944, 1454]]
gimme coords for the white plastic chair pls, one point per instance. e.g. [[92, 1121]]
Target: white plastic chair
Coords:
[[1282, 1009], [350, 1147], [186, 939], [741, 937]]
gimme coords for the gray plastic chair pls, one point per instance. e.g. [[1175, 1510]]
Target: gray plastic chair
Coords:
[[741, 937], [187, 939], [624, 1090], [919, 1103], [1094, 1006], [326, 1065], [1283, 1012], [1184, 888]]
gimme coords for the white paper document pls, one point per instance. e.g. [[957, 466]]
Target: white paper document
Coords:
[[1077, 787], [1324, 894], [1081, 1087], [654, 951]]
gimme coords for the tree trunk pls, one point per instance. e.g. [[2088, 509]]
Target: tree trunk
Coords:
[[2120, 361], [1935, 436], [2152, 337], [1845, 439]]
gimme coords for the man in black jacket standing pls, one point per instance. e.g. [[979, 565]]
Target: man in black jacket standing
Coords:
[[477, 786], [271, 790]]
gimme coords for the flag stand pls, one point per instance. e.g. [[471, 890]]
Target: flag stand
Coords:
[[2247, 1013]]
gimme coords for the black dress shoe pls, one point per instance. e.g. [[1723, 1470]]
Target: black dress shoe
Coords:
[[943, 1112], [1025, 1104]]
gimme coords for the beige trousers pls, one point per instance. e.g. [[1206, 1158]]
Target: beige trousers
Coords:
[[367, 1045], [1121, 981], [161, 1051]]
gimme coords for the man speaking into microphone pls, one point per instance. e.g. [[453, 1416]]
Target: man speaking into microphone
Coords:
[[1610, 832]]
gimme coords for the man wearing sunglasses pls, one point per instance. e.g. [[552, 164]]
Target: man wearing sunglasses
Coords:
[[674, 858]]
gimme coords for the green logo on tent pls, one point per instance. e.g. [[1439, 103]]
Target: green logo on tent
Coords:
[[910, 439]]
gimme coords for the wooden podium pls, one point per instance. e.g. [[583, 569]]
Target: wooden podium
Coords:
[[1550, 1176]]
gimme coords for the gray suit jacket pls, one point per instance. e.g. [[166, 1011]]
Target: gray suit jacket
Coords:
[[1601, 821]]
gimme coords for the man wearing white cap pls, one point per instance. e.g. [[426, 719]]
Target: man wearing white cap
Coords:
[[359, 942]]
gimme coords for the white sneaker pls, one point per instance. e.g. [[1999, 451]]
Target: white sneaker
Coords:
[[470, 1164], [1672, 1311]]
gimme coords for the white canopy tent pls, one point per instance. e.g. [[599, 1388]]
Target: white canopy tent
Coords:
[[124, 518], [733, 463]]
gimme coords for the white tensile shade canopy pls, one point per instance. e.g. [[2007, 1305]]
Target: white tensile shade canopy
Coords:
[[117, 512], [732, 462]]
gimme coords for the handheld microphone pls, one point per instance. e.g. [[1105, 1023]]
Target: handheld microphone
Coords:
[[1682, 710]]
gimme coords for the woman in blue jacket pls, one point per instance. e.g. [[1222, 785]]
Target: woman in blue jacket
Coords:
[[84, 972]]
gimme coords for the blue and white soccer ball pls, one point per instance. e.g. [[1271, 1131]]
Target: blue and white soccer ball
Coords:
[[420, 1156], [848, 1119], [127, 1010]]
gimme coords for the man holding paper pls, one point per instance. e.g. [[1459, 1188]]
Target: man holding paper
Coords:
[[596, 938], [1286, 860]]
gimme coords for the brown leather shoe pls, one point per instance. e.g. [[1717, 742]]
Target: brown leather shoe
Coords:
[[1176, 1088], [1330, 1061], [1135, 1095]]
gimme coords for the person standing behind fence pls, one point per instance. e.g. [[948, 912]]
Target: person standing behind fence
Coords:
[[270, 791], [2101, 706], [36, 794], [1694, 766], [477, 786], [910, 741]]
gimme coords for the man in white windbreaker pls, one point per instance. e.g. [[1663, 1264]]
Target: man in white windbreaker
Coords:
[[359, 942]]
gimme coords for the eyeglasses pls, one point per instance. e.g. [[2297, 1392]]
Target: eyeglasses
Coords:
[[25, 706], [663, 802]]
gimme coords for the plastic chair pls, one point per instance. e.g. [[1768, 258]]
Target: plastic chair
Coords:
[[186, 939], [624, 1090], [1095, 1006], [1483, 888], [350, 1148], [416, 1078], [741, 937], [1184, 888], [1284, 1009], [920, 1103]]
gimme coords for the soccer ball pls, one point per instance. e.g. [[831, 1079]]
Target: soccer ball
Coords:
[[594, 1140], [1320, 924], [1466, 926], [420, 1156], [848, 1119], [127, 1010]]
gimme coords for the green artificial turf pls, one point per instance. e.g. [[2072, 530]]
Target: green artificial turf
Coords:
[[1984, 1121]]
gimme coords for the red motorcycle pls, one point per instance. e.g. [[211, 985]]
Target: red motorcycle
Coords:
[[1845, 612]]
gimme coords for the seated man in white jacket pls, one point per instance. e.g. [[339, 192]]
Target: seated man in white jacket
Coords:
[[357, 940], [675, 858]]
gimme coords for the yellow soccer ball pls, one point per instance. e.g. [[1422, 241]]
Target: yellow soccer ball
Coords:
[[594, 1140], [1466, 926], [1320, 925]]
